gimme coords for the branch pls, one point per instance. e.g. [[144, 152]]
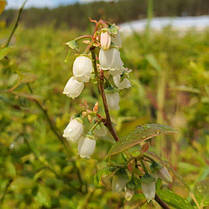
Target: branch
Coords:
[[100, 81], [6, 190], [16, 23], [160, 202], [58, 135]]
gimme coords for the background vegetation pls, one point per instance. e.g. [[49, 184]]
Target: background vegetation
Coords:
[[170, 86], [76, 15]]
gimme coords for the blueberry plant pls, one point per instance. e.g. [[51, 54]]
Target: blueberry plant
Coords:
[[139, 172]]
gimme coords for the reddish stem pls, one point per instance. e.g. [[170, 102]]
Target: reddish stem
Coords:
[[100, 79]]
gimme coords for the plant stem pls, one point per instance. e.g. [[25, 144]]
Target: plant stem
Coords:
[[6, 190], [58, 135], [100, 81], [160, 202], [16, 24]]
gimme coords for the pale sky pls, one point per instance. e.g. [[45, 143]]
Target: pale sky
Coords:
[[44, 3]]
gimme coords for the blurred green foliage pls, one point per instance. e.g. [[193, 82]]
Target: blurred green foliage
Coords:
[[76, 15], [35, 170]]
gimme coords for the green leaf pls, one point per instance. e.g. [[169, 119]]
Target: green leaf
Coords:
[[201, 192], [72, 44], [43, 197], [113, 29], [152, 61], [139, 135], [4, 52], [173, 199]]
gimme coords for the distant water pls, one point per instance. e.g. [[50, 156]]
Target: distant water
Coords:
[[177, 23]]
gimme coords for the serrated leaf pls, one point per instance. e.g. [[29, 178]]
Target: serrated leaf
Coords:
[[173, 199], [4, 52], [2, 5], [72, 44], [201, 192], [139, 135]]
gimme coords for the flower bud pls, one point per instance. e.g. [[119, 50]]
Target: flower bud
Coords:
[[74, 130], [105, 40], [86, 146], [113, 100], [73, 88], [82, 68], [164, 174], [148, 187], [110, 60], [119, 182], [117, 40], [125, 83]]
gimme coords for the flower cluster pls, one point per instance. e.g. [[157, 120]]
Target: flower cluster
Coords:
[[108, 60], [148, 182], [74, 132], [82, 69]]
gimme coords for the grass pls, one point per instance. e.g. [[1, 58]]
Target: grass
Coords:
[[167, 66]]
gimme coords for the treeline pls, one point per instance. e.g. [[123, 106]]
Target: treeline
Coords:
[[76, 15]]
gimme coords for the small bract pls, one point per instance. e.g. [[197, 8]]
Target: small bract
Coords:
[[73, 88]]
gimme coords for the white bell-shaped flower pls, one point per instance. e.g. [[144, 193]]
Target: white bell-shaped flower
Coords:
[[111, 60], [121, 83], [164, 174], [113, 100], [117, 40], [82, 68], [100, 131], [73, 88], [86, 146], [119, 182], [105, 40], [74, 130], [148, 187]]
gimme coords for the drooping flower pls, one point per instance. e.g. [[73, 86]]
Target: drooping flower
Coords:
[[121, 83], [73, 88], [86, 146], [113, 99], [82, 68], [100, 131], [74, 130], [105, 40], [111, 60], [117, 40], [119, 182], [161, 172], [148, 187], [164, 174]]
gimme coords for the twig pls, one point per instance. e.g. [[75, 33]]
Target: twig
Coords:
[[57, 134], [6, 190], [16, 23], [160, 202], [100, 81], [47, 166]]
